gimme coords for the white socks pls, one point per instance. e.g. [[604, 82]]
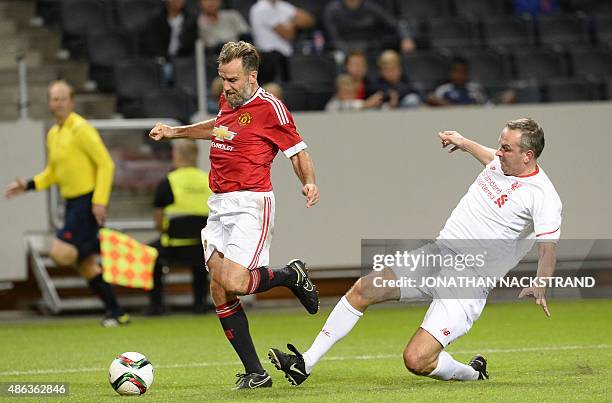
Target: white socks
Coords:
[[448, 369], [339, 323]]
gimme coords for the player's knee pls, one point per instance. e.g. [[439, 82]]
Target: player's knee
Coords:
[[416, 363], [63, 256]]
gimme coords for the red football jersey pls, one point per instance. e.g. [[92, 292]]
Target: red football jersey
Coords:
[[246, 141]]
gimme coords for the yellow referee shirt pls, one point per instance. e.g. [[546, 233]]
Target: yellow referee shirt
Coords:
[[77, 161]]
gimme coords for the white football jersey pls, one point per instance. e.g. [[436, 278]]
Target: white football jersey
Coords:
[[498, 206]]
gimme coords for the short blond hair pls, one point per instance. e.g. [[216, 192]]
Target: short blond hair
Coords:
[[62, 83], [244, 51], [187, 149], [344, 81], [388, 57]]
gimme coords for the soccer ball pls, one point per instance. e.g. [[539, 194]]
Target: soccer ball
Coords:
[[130, 374]]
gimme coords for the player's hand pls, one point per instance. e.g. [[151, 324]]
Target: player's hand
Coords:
[[99, 212], [311, 191], [451, 137], [161, 131], [538, 294], [15, 188]]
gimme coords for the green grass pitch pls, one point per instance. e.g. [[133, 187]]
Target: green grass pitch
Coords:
[[531, 358]]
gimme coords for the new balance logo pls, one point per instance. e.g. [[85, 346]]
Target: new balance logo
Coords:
[[501, 200]]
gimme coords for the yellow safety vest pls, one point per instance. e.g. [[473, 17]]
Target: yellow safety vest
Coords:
[[191, 192]]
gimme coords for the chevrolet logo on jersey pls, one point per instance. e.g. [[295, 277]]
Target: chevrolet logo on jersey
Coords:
[[222, 132]]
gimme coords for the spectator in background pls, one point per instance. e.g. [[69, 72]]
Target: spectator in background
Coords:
[[274, 89], [535, 7], [356, 66], [345, 98], [274, 24], [395, 89], [366, 25], [216, 88], [218, 26], [79, 163], [171, 33], [459, 90], [181, 211]]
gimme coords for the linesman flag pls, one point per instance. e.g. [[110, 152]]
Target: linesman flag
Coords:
[[126, 261]]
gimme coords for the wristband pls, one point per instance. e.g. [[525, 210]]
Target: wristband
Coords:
[[30, 185]]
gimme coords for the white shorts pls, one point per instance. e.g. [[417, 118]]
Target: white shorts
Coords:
[[447, 319], [240, 226]]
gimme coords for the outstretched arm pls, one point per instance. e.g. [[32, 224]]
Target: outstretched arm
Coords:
[[546, 267], [201, 130], [302, 165], [483, 154]]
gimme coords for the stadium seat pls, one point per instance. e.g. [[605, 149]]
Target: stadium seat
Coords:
[[389, 5], [562, 30], [422, 10], [80, 17], [295, 97], [134, 78], [527, 92], [608, 89], [508, 32], [168, 103], [426, 69], [451, 32], [570, 90], [488, 66], [539, 64], [477, 8], [603, 29], [318, 97], [313, 69], [106, 47], [133, 15], [591, 62]]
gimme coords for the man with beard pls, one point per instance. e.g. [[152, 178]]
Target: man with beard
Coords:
[[250, 128]]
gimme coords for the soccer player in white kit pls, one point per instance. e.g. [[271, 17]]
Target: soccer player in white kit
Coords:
[[251, 127], [511, 200]]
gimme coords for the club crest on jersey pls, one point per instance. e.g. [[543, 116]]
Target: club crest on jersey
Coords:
[[244, 119], [222, 133]]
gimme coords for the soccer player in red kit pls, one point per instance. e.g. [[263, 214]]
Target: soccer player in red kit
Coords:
[[249, 130]]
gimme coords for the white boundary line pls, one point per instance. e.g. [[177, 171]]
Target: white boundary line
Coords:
[[337, 358]]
